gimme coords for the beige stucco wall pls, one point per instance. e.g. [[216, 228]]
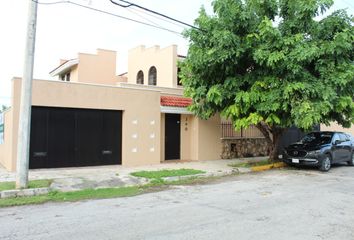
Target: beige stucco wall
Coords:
[[9, 152], [74, 74], [162, 137], [100, 68], [97, 68], [140, 127], [121, 79], [209, 135], [16, 87], [6, 147], [186, 137], [200, 139], [335, 127], [194, 138], [165, 61]]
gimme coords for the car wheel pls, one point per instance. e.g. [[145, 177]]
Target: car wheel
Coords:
[[351, 163], [326, 163]]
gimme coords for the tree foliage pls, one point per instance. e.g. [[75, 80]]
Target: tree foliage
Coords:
[[270, 63], [3, 108]]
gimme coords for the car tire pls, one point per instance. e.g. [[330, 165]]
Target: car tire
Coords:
[[326, 163], [351, 163]]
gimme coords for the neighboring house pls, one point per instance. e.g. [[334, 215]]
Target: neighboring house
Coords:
[[97, 68], [335, 127], [90, 116]]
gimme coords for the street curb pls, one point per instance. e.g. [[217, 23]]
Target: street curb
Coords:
[[23, 192], [268, 167], [41, 191], [201, 175]]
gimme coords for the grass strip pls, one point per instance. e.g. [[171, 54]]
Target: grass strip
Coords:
[[250, 164], [95, 193], [18, 201], [157, 184], [31, 184], [56, 196], [166, 173]]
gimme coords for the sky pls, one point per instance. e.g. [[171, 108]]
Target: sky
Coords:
[[63, 30]]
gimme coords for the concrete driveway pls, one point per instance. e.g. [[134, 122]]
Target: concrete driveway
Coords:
[[272, 205]]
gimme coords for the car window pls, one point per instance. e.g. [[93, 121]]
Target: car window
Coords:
[[335, 138], [351, 137], [343, 137], [317, 138], [347, 136]]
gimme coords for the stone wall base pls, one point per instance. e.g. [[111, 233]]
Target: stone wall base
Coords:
[[244, 147]]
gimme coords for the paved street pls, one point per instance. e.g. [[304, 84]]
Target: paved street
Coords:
[[279, 204]]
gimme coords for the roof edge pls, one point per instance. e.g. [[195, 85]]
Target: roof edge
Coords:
[[64, 67]]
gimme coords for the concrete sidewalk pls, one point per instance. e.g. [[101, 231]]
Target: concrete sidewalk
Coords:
[[71, 179]]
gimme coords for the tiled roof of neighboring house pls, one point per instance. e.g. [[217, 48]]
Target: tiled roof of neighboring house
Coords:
[[171, 101]]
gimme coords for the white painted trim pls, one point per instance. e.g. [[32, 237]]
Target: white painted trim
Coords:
[[88, 84], [164, 90], [64, 67], [175, 110]]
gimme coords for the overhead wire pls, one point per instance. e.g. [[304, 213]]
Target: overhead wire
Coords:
[[133, 11], [159, 18], [108, 13], [145, 18], [130, 4]]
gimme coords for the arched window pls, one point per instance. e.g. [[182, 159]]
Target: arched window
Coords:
[[152, 76], [140, 77], [179, 80]]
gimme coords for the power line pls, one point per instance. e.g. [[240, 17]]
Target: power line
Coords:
[[159, 18], [108, 13], [130, 4], [145, 18]]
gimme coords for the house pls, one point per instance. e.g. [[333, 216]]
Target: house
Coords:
[[90, 116]]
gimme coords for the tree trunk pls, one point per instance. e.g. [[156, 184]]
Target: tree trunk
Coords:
[[274, 153], [272, 136]]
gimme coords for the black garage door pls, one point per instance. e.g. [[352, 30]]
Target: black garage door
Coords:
[[67, 137]]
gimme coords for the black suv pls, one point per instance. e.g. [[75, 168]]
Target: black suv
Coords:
[[321, 149]]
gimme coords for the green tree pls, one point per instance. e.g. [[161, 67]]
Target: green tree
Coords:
[[3, 108], [271, 64]]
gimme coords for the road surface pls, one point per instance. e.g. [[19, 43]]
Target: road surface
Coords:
[[278, 204]]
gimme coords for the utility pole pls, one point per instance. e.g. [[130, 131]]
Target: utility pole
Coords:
[[24, 128]]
